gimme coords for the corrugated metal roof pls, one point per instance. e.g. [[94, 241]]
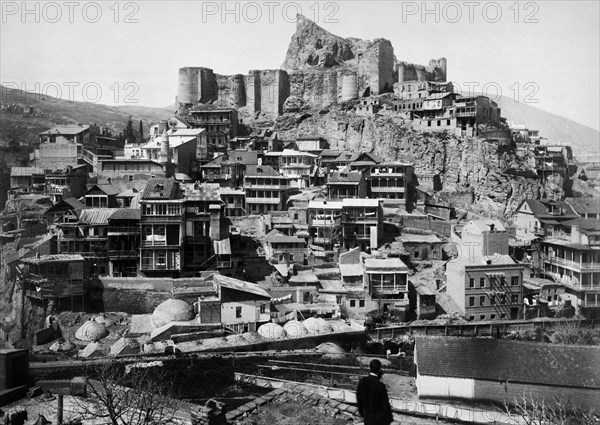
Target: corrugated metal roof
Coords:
[[126, 214], [360, 202], [162, 188], [25, 171], [240, 285], [67, 130], [96, 215], [385, 263], [55, 258]]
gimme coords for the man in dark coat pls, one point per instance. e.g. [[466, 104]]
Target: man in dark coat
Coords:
[[372, 397]]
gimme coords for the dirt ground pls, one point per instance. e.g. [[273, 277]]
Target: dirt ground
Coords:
[[291, 414]]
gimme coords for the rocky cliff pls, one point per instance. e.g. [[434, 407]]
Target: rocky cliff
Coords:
[[490, 170]]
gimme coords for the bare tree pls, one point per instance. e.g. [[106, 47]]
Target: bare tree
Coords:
[[127, 396], [528, 410]]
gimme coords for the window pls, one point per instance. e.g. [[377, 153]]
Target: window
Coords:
[[482, 282], [514, 280], [471, 317], [471, 282], [482, 300], [503, 316], [352, 303], [338, 299], [514, 298], [263, 308], [492, 299], [238, 312], [471, 301], [361, 303], [416, 253], [482, 317], [492, 317]]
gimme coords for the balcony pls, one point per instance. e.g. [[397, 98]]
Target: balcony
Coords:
[[274, 201], [577, 266], [324, 222], [162, 218], [266, 186], [123, 254], [378, 289], [384, 189], [160, 266]]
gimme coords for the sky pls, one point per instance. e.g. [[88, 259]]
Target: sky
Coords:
[[544, 53]]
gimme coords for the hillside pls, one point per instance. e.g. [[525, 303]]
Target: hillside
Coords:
[[49, 111], [584, 140]]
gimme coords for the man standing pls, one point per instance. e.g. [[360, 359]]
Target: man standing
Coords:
[[372, 397]]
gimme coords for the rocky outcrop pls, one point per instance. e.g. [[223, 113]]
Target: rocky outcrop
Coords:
[[312, 45], [465, 164]]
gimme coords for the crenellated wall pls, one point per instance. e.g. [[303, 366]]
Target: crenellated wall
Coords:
[[436, 70], [372, 73]]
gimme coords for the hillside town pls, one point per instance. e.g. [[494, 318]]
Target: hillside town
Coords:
[[211, 235]]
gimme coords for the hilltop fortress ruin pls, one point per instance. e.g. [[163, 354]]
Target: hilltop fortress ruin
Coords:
[[320, 69]]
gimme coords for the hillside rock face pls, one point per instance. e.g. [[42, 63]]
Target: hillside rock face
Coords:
[[467, 165], [312, 45]]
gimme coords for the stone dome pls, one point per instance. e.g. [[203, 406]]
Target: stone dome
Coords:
[[271, 331], [172, 310], [295, 329], [91, 331], [330, 348], [62, 346], [316, 326]]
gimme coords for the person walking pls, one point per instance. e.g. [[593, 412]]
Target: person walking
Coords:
[[372, 397]]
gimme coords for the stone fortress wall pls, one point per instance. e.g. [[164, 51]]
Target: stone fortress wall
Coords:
[[266, 91]]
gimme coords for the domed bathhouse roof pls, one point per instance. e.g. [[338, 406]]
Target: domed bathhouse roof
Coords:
[[295, 329], [316, 326], [91, 331], [172, 310], [271, 331]]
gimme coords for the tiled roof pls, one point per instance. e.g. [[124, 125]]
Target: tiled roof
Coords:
[[360, 202], [261, 171], [584, 205], [126, 214], [67, 130], [346, 177], [107, 189], [70, 202], [327, 205], [153, 189], [25, 171], [96, 215], [412, 238], [385, 263], [512, 361], [585, 224], [330, 153], [54, 258], [240, 285]]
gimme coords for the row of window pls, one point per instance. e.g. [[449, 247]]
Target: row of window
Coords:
[[492, 317], [501, 299], [514, 281], [162, 209]]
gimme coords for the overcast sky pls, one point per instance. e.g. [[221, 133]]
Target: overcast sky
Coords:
[[544, 51]]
